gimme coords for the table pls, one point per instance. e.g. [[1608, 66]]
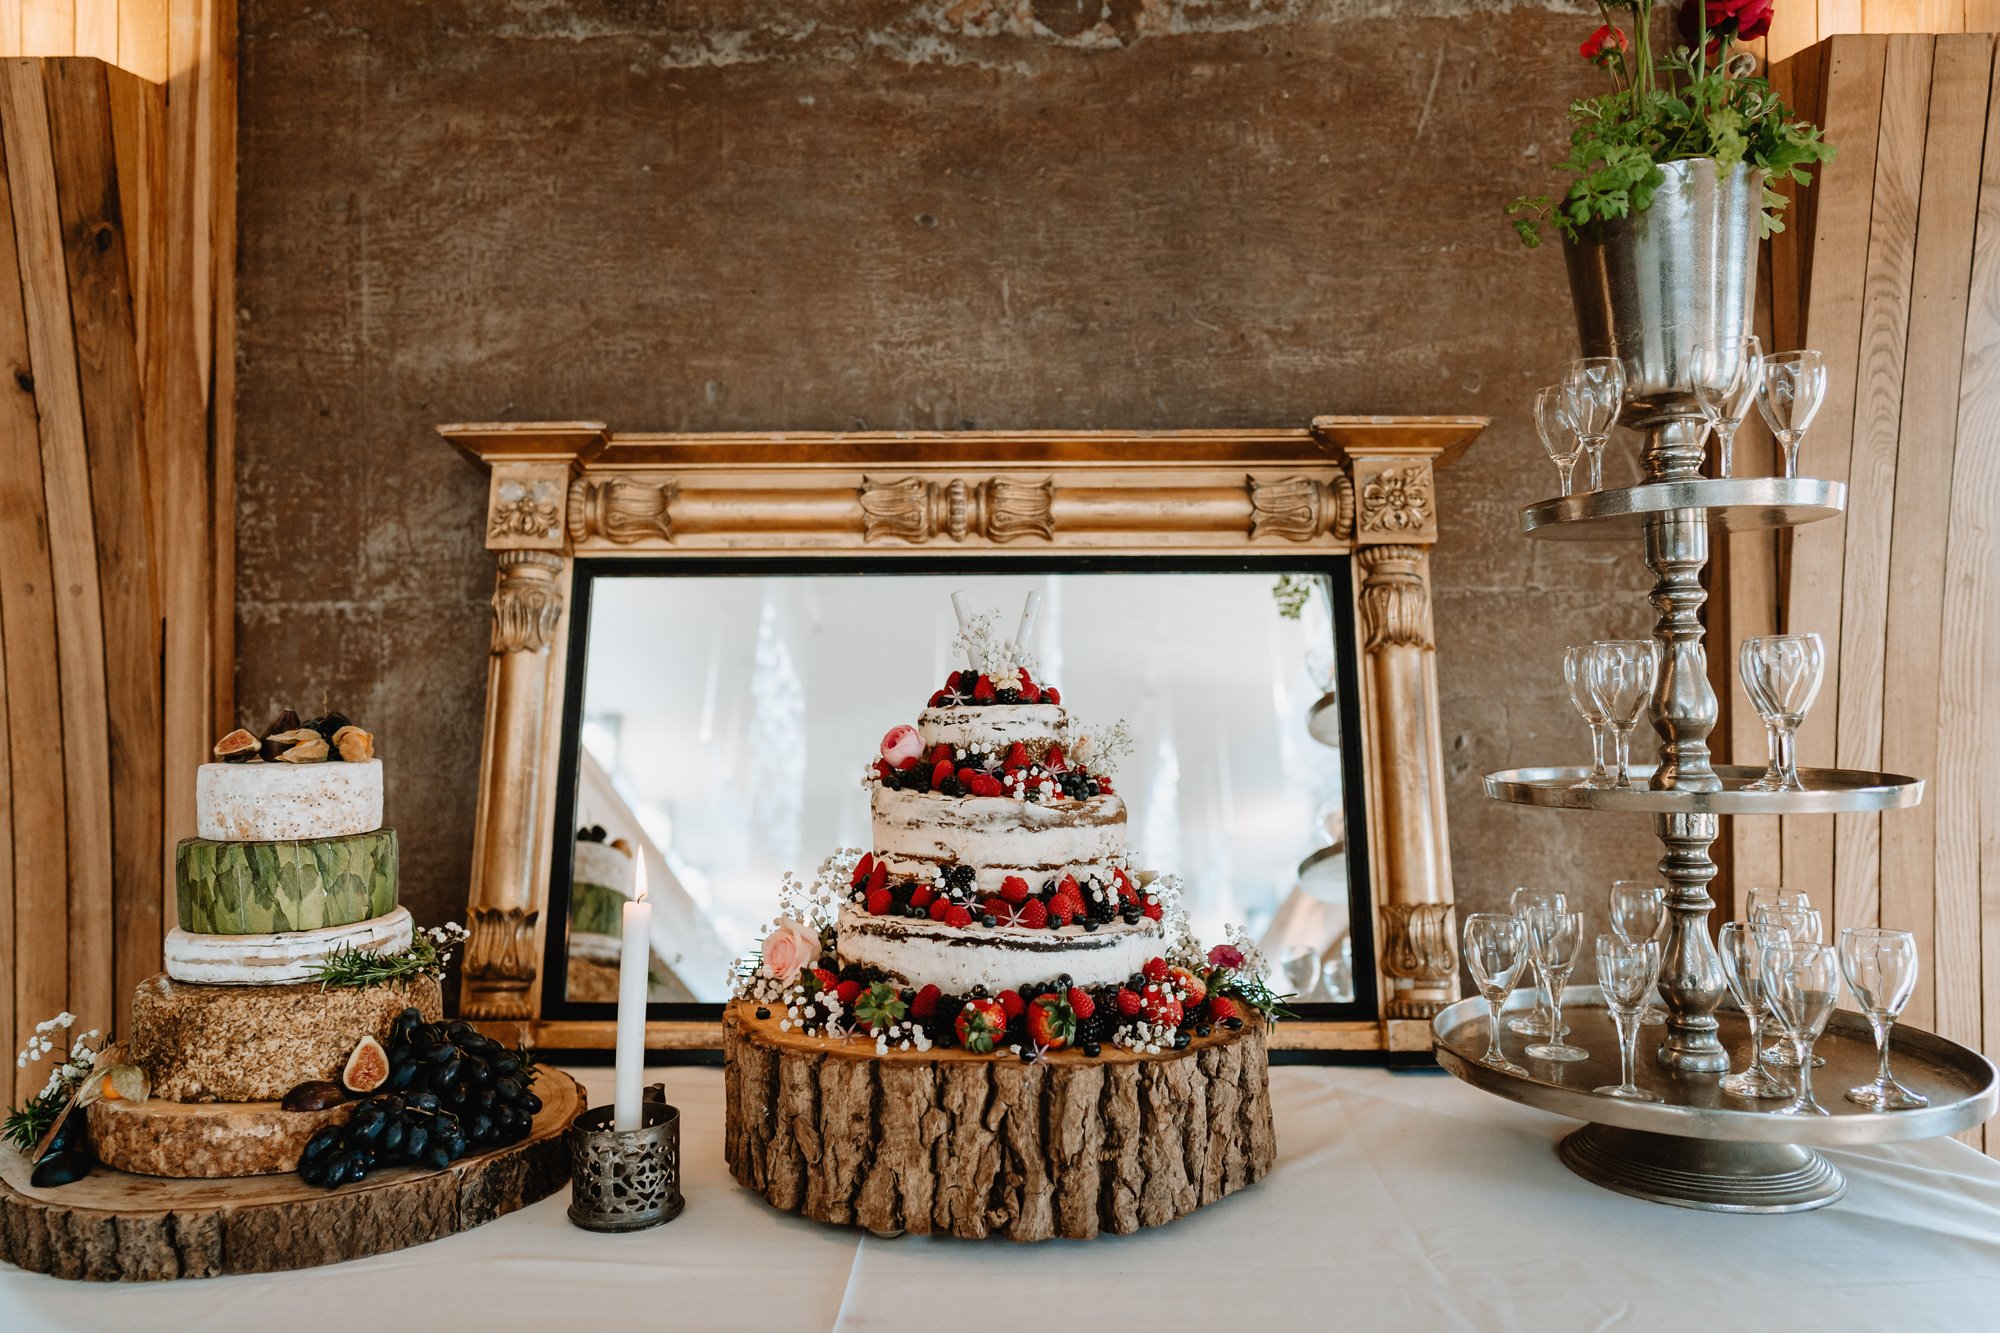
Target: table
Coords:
[[1400, 1201]]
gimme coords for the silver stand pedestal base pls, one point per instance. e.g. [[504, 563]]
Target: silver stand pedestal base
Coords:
[[1710, 1174]]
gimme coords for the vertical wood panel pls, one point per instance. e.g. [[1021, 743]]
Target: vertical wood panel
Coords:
[[1871, 491], [142, 38], [1961, 69], [97, 29], [24, 129], [1842, 210], [220, 669], [10, 27], [1982, 15], [1912, 15], [48, 28], [114, 434]]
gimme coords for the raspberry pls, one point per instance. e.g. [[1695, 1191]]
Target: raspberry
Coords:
[[957, 916], [1012, 1002], [1079, 1000], [1033, 914], [847, 990], [1128, 1003], [997, 908], [878, 902], [1014, 889], [1059, 913], [1155, 970], [922, 895], [823, 979], [926, 1003], [939, 907], [1152, 909]]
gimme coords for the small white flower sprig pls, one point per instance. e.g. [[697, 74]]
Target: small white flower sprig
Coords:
[[813, 903], [991, 654], [1100, 748], [93, 1068]]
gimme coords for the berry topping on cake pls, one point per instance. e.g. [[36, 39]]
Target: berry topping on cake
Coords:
[[1128, 1003], [956, 915], [823, 979], [1221, 1009], [983, 692], [1033, 914], [847, 991], [879, 902], [939, 906], [1079, 1000], [922, 896], [1190, 986], [980, 1024], [1160, 1007], [1014, 889], [1152, 909], [863, 868], [1051, 1022], [925, 1005], [1156, 970], [1011, 1003]]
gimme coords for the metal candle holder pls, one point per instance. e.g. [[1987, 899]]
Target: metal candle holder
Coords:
[[626, 1180]]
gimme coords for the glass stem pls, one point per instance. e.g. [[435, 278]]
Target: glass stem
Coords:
[[1597, 750], [1803, 1049], [1788, 767], [1628, 1047], [1555, 985], [1725, 446], [1567, 471], [1494, 1055], [1595, 448], [1775, 772], [1622, 739], [1881, 1026], [1789, 442], [1754, 1017]]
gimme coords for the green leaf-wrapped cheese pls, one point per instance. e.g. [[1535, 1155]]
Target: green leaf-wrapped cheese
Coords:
[[259, 888]]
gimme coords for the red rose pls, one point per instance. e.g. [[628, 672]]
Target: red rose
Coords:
[[1595, 46]]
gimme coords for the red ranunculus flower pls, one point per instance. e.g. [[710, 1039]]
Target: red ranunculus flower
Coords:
[[1606, 39], [1737, 20]]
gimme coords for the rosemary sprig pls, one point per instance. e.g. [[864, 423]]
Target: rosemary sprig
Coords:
[[27, 1123]]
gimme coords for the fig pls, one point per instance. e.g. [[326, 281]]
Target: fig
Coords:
[[60, 1168], [368, 1068], [314, 1095]]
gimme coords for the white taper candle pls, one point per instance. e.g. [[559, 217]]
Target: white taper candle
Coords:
[[1029, 610], [634, 961]]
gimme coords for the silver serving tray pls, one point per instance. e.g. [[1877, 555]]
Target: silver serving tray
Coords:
[[1962, 1084], [1828, 791], [1733, 504]]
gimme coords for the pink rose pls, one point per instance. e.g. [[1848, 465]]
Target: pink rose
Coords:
[[1225, 955], [789, 948], [902, 746]]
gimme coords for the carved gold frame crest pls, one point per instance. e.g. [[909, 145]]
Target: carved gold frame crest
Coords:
[[1359, 486]]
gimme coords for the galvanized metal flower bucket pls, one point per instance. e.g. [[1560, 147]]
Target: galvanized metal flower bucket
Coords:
[[1652, 288]]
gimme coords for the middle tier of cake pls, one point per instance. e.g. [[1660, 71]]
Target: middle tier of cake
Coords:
[[916, 952], [917, 834]]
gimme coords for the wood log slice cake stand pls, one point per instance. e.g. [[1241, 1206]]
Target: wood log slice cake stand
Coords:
[[945, 1141], [115, 1227]]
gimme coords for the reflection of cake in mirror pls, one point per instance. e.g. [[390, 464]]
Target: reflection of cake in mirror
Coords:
[[604, 873]]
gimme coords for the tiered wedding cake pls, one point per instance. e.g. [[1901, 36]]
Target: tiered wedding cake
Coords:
[[292, 870]]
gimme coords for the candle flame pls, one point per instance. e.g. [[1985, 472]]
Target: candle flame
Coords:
[[640, 894]]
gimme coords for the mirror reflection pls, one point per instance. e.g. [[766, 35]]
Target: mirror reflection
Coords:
[[726, 722]]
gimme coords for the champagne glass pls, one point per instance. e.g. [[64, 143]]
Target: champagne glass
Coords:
[[1621, 674], [1727, 373], [1525, 903], [1559, 438], [1801, 982], [1741, 956], [1881, 970], [1593, 396], [1781, 674], [1791, 920], [1576, 675], [1788, 394], [1496, 946], [1773, 895], [1553, 941], [1626, 971], [1639, 912]]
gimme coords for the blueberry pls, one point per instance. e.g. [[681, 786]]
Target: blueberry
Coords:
[[1092, 1049], [762, 1012]]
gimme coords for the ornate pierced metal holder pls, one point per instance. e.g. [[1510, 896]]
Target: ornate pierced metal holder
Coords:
[[626, 1180]]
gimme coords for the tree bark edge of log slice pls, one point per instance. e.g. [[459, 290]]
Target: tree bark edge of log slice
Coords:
[[115, 1227], [952, 1143]]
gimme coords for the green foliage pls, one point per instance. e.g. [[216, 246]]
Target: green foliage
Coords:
[[1692, 104], [259, 888], [27, 1123], [430, 952], [1291, 592], [879, 1006]]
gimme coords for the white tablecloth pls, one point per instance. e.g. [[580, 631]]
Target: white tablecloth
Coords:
[[1400, 1201]]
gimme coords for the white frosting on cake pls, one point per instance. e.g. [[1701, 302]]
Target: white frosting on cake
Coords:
[[602, 864], [993, 728], [280, 959], [916, 832], [955, 959], [278, 802]]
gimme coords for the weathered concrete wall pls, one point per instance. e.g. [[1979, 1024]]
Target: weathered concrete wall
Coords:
[[786, 214]]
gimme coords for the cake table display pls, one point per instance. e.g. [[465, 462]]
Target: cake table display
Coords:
[[990, 1023], [294, 1044]]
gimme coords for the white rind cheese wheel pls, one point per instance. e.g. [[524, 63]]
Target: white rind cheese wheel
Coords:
[[957, 958], [287, 802], [602, 864], [282, 959]]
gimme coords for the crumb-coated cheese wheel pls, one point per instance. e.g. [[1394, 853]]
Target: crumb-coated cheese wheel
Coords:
[[284, 802]]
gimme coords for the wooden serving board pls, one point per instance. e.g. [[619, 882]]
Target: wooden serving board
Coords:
[[115, 1227], [951, 1142]]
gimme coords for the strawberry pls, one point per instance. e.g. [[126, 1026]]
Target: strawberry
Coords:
[[941, 774], [1152, 909], [1079, 1000], [1126, 889], [882, 769], [1032, 914], [939, 906], [937, 698], [1051, 1022], [822, 979], [1028, 682], [1017, 757], [1221, 1009], [998, 908], [1192, 990], [1128, 1003], [1014, 889], [982, 691], [1050, 695], [956, 915], [1160, 1007], [955, 681], [982, 785], [1031, 693], [940, 753], [925, 1004], [968, 777], [980, 1024], [878, 902], [1155, 970], [1011, 1003], [878, 878], [1053, 760], [847, 990], [922, 895], [863, 868]]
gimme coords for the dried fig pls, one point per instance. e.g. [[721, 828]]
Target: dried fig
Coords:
[[315, 1095]]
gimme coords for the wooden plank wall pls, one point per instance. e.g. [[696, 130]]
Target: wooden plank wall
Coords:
[[106, 584], [1892, 269]]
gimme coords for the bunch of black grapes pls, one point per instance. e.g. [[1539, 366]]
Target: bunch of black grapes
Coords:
[[450, 1091]]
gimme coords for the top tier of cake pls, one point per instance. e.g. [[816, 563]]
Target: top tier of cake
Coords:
[[287, 802]]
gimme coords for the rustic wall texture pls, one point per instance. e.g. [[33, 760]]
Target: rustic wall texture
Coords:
[[785, 214]]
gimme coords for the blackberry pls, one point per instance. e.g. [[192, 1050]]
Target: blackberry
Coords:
[[958, 879], [1092, 1030], [1008, 696]]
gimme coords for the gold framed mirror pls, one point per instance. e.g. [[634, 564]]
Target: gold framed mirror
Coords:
[[667, 603]]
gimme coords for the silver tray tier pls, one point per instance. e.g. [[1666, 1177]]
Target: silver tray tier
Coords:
[[1700, 1147], [1828, 791], [1733, 504]]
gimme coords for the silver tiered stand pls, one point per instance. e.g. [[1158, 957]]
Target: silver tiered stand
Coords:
[[1698, 1147]]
